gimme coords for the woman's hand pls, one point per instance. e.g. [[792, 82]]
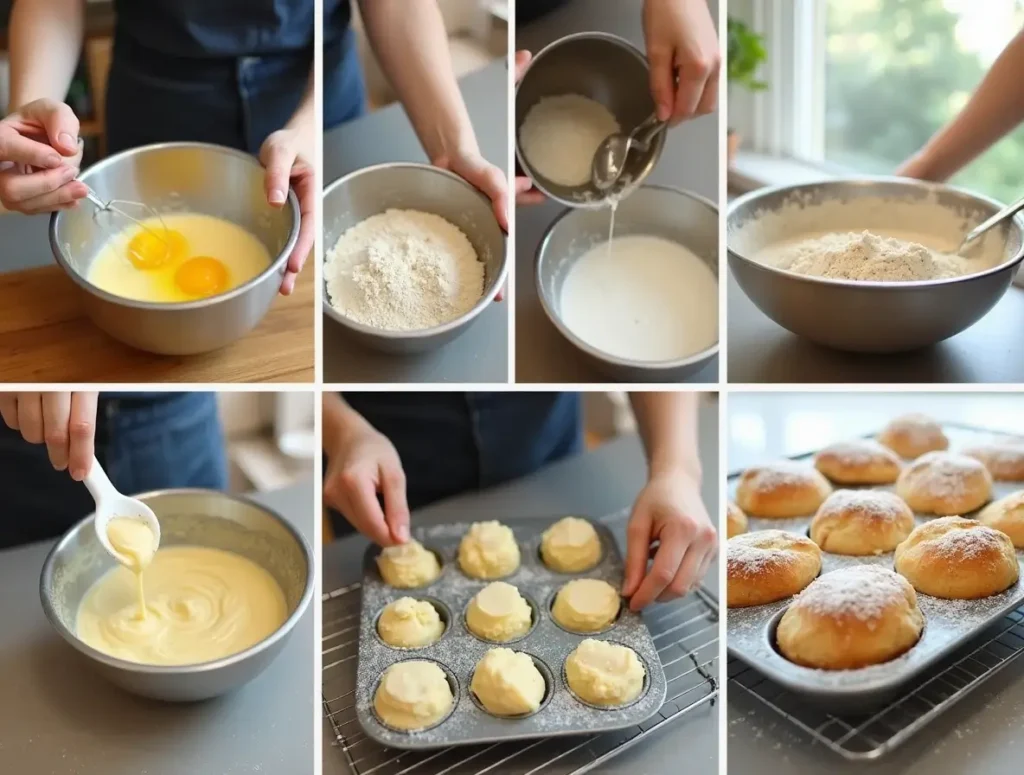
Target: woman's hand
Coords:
[[361, 463], [285, 155], [65, 422], [668, 510], [682, 48], [40, 157], [526, 194]]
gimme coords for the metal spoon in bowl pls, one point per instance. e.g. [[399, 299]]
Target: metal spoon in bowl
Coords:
[[610, 157], [110, 504], [1007, 212]]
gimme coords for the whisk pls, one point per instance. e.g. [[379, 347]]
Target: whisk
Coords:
[[116, 206]]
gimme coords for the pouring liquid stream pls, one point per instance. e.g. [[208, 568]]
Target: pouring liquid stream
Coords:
[[135, 544]]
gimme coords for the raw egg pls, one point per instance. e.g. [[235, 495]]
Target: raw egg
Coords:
[[152, 248], [202, 276]]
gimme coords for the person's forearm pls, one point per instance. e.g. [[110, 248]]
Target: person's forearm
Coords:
[[46, 39], [411, 43], [339, 421], [668, 428], [995, 109]]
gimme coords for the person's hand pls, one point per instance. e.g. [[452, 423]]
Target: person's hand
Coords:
[[668, 510], [360, 465], [526, 194], [40, 157], [285, 155], [685, 61], [65, 422]]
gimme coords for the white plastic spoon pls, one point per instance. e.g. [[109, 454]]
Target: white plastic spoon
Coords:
[[111, 504]]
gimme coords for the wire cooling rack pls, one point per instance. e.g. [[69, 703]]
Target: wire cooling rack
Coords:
[[685, 632]]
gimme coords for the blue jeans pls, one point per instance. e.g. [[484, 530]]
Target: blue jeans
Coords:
[[145, 441]]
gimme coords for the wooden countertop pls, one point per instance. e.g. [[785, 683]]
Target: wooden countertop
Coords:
[[45, 337]]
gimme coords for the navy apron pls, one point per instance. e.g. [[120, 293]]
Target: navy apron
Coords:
[[451, 443], [144, 441]]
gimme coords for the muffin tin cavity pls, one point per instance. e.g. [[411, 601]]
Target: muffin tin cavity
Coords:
[[453, 685], [372, 569], [458, 650], [639, 698], [443, 613], [534, 620], [551, 604]]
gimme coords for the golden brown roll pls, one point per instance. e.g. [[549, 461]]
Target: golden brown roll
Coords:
[[736, 520], [912, 435], [861, 522], [945, 484], [858, 461], [849, 618], [768, 565], [781, 489], [957, 558], [1004, 461], [1007, 515]]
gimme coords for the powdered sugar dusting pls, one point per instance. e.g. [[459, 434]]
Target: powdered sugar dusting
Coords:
[[970, 543], [857, 452], [750, 554], [861, 591], [872, 504], [782, 473], [943, 474]]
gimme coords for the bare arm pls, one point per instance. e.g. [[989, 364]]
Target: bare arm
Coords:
[[46, 40], [996, 108], [668, 427]]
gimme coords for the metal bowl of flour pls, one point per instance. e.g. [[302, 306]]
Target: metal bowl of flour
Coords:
[[870, 317], [372, 190], [657, 211], [195, 518], [605, 68]]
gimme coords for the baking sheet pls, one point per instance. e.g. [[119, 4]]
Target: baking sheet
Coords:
[[750, 632], [458, 650]]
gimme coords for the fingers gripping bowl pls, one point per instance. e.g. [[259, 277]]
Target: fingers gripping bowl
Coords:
[[178, 178], [193, 518], [864, 316]]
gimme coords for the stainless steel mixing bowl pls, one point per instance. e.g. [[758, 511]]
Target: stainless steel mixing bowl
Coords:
[[177, 177], [658, 211], [196, 518], [371, 191], [869, 316], [607, 69]]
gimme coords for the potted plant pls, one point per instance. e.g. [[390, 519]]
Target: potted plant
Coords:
[[745, 54]]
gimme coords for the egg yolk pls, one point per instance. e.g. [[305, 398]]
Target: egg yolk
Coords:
[[202, 276], [154, 248]]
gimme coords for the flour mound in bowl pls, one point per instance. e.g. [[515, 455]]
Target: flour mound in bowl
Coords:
[[403, 270], [560, 135]]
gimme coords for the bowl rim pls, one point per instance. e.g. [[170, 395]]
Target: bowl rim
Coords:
[[865, 181], [652, 366], [520, 156], [282, 631], [420, 333], [272, 268]]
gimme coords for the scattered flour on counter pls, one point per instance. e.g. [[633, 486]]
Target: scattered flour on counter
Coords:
[[403, 270], [560, 135]]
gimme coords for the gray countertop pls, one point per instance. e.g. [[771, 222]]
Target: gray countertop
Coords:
[[25, 240], [992, 350], [983, 732], [481, 353], [58, 716], [689, 161], [599, 482]]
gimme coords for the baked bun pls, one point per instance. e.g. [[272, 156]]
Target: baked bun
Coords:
[[859, 461], [1004, 461], [736, 520], [945, 484], [861, 522], [957, 558], [1007, 515], [849, 618], [781, 489], [768, 565], [912, 435]]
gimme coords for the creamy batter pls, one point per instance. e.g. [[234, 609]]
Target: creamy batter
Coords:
[[201, 604], [136, 544], [644, 299], [195, 257]]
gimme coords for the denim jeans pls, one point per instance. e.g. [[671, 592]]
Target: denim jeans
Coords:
[[144, 442]]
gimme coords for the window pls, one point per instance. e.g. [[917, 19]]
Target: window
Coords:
[[860, 85]]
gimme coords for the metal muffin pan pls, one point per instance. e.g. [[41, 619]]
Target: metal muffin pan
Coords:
[[458, 650], [949, 624]]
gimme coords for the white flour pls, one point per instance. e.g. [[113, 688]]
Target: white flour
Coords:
[[646, 299], [403, 270], [560, 135]]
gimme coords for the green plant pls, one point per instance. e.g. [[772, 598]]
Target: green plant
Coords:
[[745, 54]]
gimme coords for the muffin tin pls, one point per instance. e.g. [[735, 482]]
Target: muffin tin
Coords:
[[750, 632], [458, 650]]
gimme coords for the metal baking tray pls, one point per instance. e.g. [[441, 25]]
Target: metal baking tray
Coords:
[[750, 632], [458, 650]]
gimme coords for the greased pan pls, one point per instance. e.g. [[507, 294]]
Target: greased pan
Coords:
[[949, 624], [458, 650]]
